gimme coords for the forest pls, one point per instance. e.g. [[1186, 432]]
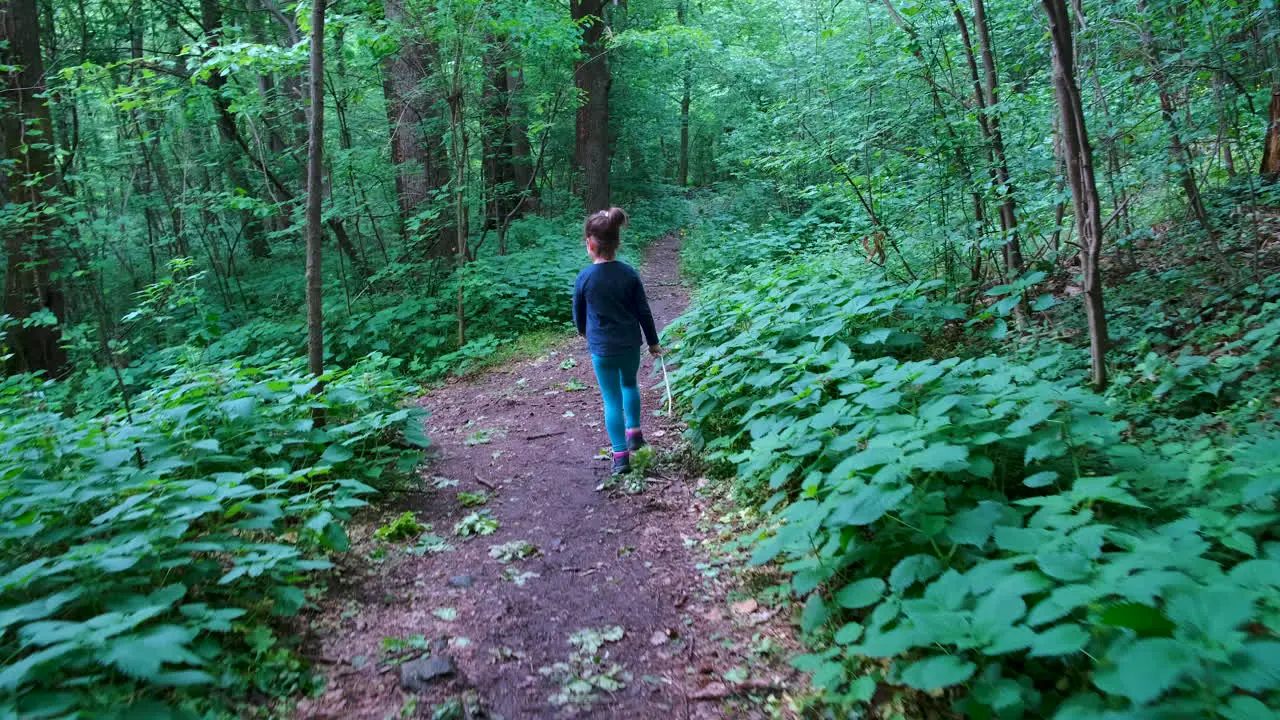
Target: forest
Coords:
[[984, 344]]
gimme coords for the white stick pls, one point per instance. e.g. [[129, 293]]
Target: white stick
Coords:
[[667, 380]]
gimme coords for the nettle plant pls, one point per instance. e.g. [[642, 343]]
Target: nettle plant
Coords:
[[143, 553], [962, 518]]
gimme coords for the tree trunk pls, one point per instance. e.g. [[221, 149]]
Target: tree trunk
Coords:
[[957, 147], [1084, 190], [417, 135], [250, 225], [1271, 143], [25, 129], [501, 187], [315, 196], [990, 101], [459, 150], [682, 171], [1178, 153], [521, 152], [591, 147]]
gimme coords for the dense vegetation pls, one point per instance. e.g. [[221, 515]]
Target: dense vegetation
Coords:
[[960, 503], [987, 329]]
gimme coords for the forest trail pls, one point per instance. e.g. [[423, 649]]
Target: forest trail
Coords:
[[528, 434]]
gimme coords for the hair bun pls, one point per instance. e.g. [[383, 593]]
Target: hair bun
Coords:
[[617, 217]]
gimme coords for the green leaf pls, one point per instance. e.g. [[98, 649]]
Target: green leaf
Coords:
[[888, 644], [209, 444], [938, 672], [239, 407], [815, 613], [141, 655], [1243, 707], [1211, 613], [941, 457], [849, 633], [913, 569], [829, 677], [1064, 600], [1010, 639], [975, 525], [1064, 561], [337, 453], [1145, 669], [869, 505], [1144, 620], [861, 593], [289, 599], [1065, 639], [1044, 302], [873, 337], [1041, 479], [1257, 668]]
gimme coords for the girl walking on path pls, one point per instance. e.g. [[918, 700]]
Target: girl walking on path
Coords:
[[611, 311]]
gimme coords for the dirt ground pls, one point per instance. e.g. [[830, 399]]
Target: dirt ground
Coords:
[[528, 436]]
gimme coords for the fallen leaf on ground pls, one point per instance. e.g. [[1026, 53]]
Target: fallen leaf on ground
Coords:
[[746, 607]]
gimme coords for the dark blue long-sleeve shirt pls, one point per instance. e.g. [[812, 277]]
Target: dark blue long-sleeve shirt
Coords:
[[610, 309]]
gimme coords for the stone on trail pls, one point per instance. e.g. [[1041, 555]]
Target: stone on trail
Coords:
[[461, 581], [416, 675]]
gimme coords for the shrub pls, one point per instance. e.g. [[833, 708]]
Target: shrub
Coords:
[[980, 523], [144, 552]]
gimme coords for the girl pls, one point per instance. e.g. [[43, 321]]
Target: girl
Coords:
[[611, 311]]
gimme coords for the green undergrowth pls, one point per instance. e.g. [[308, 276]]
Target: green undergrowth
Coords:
[[983, 528], [146, 555]]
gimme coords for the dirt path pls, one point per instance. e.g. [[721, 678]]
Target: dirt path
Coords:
[[527, 435]]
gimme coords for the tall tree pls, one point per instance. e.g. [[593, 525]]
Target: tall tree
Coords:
[[1179, 156], [250, 225], [686, 99], [1270, 168], [315, 193], [1084, 191], [26, 182], [501, 190], [418, 151], [591, 146], [518, 135], [990, 108]]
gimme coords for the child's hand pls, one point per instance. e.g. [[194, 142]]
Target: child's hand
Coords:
[[657, 350]]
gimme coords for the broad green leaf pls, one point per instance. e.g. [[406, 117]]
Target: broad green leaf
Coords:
[[869, 505], [1040, 479], [861, 593], [913, 569], [337, 453], [941, 457], [1064, 639], [1145, 669], [1211, 613], [938, 672], [815, 613], [849, 633], [1144, 620], [975, 525]]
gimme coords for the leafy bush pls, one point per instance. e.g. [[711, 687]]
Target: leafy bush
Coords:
[[408, 313], [980, 523], [144, 552]]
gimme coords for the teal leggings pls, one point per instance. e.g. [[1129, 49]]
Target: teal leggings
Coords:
[[621, 392]]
